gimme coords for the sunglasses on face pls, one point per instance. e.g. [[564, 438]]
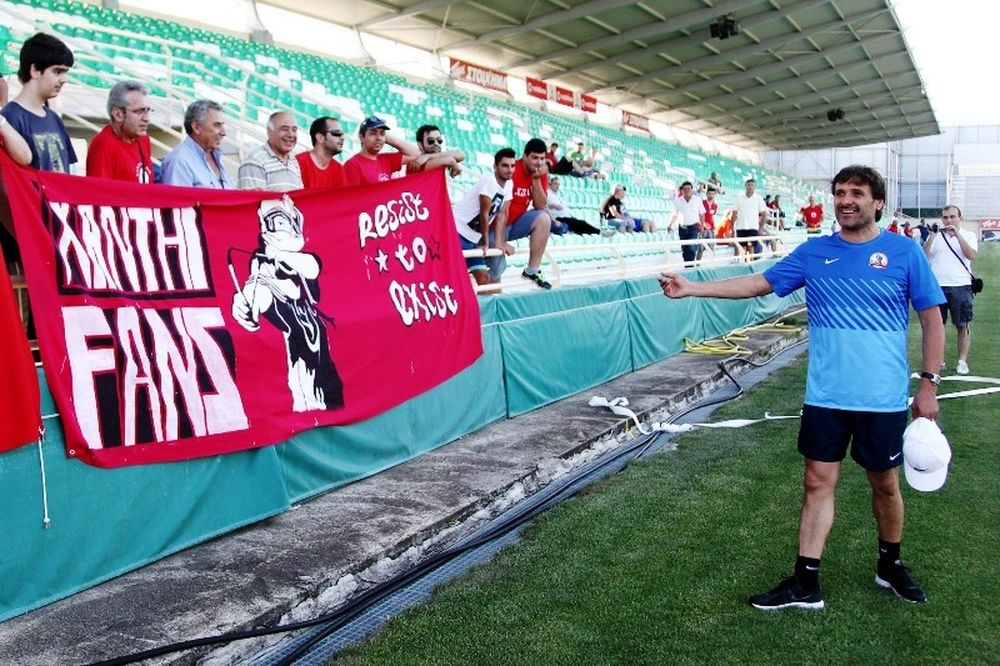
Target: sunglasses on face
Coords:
[[335, 132], [439, 140]]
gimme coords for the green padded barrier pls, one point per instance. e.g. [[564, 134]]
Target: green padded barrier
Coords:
[[561, 342], [658, 324], [325, 458], [109, 521]]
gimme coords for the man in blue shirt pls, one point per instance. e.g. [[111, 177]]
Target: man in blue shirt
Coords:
[[859, 286], [197, 160], [44, 67]]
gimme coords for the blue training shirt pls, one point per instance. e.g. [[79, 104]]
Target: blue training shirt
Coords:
[[858, 295]]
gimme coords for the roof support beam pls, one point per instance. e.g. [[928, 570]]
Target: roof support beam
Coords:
[[412, 10]]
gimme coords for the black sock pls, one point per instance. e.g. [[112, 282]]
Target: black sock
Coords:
[[888, 553], [807, 572]]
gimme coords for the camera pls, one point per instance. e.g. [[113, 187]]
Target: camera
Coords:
[[934, 228]]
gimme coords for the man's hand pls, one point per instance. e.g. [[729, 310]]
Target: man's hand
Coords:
[[507, 248], [674, 286], [455, 170], [925, 403], [542, 169]]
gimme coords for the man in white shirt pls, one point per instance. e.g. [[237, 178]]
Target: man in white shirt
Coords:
[[751, 211], [690, 211], [477, 213], [950, 251], [563, 220]]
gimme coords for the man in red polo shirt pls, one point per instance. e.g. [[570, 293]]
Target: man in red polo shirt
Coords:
[[318, 166], [371, 165], [531, 186], [813, 216], [121, 150]]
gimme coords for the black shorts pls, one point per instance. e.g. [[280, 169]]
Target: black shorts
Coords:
[[959, 304], [875, 438]]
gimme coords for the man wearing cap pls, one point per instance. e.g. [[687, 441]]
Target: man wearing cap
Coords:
[[951, 251], [371, 165], [272, 167], [859, 286]]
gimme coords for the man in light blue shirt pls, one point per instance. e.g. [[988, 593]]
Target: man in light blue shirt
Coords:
[[197, 161], [860, 286]]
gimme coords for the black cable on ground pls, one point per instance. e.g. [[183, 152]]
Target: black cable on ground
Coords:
[[340, 617]]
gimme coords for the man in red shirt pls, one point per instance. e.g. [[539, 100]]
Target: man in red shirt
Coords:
[[371, 165], [708, 223], [121, 150], [812, 215], [318, 167], [531, 186]]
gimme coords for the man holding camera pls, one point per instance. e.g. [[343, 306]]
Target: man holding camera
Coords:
[[950, 251]]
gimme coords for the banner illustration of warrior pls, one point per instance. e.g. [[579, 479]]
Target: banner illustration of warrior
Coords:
[[283, 288]]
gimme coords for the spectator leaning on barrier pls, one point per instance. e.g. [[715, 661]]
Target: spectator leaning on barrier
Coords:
[[861, 283], [318, 166], [708, 222], [371, 165], [121, 150], [432, 153], [44, 68], [562, 219], [689, 215], [197, 160], [531, 184], [476, 214], [951, 251], [751, 211], [272, 167]]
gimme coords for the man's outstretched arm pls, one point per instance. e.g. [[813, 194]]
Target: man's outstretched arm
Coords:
[[747, 286], [925, 403]]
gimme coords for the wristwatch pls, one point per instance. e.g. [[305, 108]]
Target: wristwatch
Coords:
[[931, 377]]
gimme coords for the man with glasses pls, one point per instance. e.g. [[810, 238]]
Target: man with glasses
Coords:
[[318, 167], [271, 167], [432, 153], [121, 150]]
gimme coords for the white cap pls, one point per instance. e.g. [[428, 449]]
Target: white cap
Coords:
[[926, 455]]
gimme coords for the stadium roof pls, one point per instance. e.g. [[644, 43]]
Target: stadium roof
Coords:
[[769, 86]]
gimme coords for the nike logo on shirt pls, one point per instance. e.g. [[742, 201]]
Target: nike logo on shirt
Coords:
[[893, 457], [830, 261]]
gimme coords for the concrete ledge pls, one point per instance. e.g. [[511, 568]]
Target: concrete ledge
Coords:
[[308, 560]]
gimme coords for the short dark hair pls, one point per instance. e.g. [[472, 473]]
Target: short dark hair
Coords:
[[424, 130], [859, 174], [502, 153], [42, 51], [686, 183], [534, 146], [957, 209], [319, 126]]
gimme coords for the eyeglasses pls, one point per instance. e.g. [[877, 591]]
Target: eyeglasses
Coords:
[[334, 132], [438, 140], [141, 111]]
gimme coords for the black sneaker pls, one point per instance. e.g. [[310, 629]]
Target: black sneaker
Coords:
[[789, 594], [897, 579], [537, 279]]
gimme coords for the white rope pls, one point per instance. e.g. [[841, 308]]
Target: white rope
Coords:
[[45, 489], [618, 407]]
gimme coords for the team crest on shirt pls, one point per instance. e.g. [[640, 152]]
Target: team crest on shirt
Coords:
[[878, 260]]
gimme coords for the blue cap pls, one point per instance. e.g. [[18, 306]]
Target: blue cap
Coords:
[[372, 122]]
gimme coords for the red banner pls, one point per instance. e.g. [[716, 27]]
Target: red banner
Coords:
[[564, 96], [177, 322], [20, 412], [537, 88], [635, 120], [481, 76], [588, 103], [989, 223]]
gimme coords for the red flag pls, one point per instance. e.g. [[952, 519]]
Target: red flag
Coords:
[[177, 322], [20, 415]]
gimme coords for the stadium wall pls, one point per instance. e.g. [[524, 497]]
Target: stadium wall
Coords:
[[538, 348]]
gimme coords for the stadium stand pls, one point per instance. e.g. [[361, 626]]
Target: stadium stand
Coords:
[[250, 79]]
